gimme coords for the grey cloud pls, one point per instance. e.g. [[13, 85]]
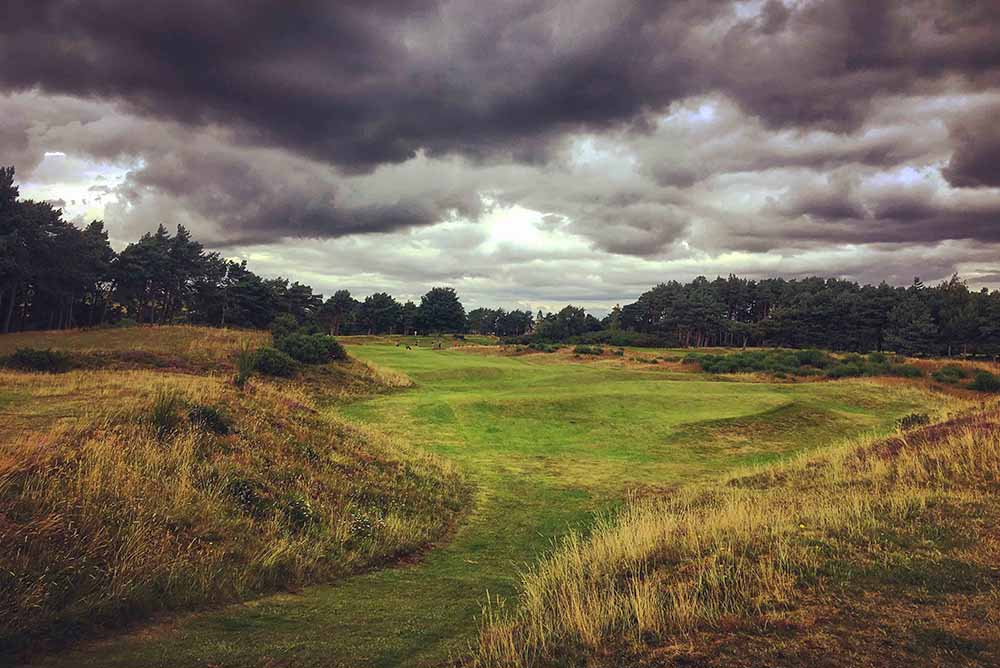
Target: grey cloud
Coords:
[[362, 84], [864, 212], [976, 161]]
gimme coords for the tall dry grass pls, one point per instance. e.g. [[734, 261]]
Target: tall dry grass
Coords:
[[131, 501], [202, 348], [741, 546]]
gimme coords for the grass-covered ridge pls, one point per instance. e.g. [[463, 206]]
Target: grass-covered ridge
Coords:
[[127, 492], [864, 528]]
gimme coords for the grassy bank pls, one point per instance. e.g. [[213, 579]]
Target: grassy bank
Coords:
[[898, 519], [123, 493], [170, 348]]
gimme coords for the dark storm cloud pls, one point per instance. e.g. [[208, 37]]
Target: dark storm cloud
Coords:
[[360, 83], [976, 160], [851, 212], [263, 196], [826, 62]]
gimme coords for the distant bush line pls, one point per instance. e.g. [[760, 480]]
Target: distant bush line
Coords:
[[784, 363]]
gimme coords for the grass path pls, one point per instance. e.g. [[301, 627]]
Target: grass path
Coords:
[[547, 444]]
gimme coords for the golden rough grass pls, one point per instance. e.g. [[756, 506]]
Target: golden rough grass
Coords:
[[738, 547], [130, 505], [200, 346]]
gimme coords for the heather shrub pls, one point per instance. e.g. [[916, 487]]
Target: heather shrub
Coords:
[[312, 348], [31, 359], [274, 362]]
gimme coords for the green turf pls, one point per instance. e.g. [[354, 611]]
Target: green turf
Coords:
[[548, 442]]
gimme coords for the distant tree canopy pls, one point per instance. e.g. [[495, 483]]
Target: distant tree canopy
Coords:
[[499, 322], [440, 311], [54, 275], [819, 313]]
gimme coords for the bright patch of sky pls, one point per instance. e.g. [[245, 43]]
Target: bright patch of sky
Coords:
[[80, 187]]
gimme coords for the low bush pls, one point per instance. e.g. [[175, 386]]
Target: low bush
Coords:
[[985, 381], [791, 363], [282, 326], [32, 359], [847, 370], [249, 496], [950, 374], [904, 370], [814, 358], [783, 363], [622, 338], [274, 362], [312, 348], [298, 511], [878, 358], [588, 350], [604, 337], [912, 421], [210, 419], [543, 347]]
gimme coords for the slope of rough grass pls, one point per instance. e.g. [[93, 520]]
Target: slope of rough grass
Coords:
[[710, 556], [123, 493], [178, 347]]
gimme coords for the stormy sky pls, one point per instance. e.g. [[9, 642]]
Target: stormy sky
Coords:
[[528, 153]]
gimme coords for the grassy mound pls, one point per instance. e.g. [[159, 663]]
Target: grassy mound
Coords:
[[831, 546], [127, 492]]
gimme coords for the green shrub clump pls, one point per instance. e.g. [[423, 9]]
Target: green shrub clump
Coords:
[[274, 362], [984, 381], [282, 326], [904, 370], [32, 359], [848, 370], [912, 421], [312, 348], [950, 373], [588, 350], [784, 363]]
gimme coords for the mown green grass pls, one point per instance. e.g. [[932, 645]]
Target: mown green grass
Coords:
[[548, 443]]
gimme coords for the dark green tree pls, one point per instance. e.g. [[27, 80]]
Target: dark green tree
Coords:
[[379, 314], [441, 311]]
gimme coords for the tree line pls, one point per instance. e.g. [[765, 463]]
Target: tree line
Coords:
[[54, 275], [814, 312]]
